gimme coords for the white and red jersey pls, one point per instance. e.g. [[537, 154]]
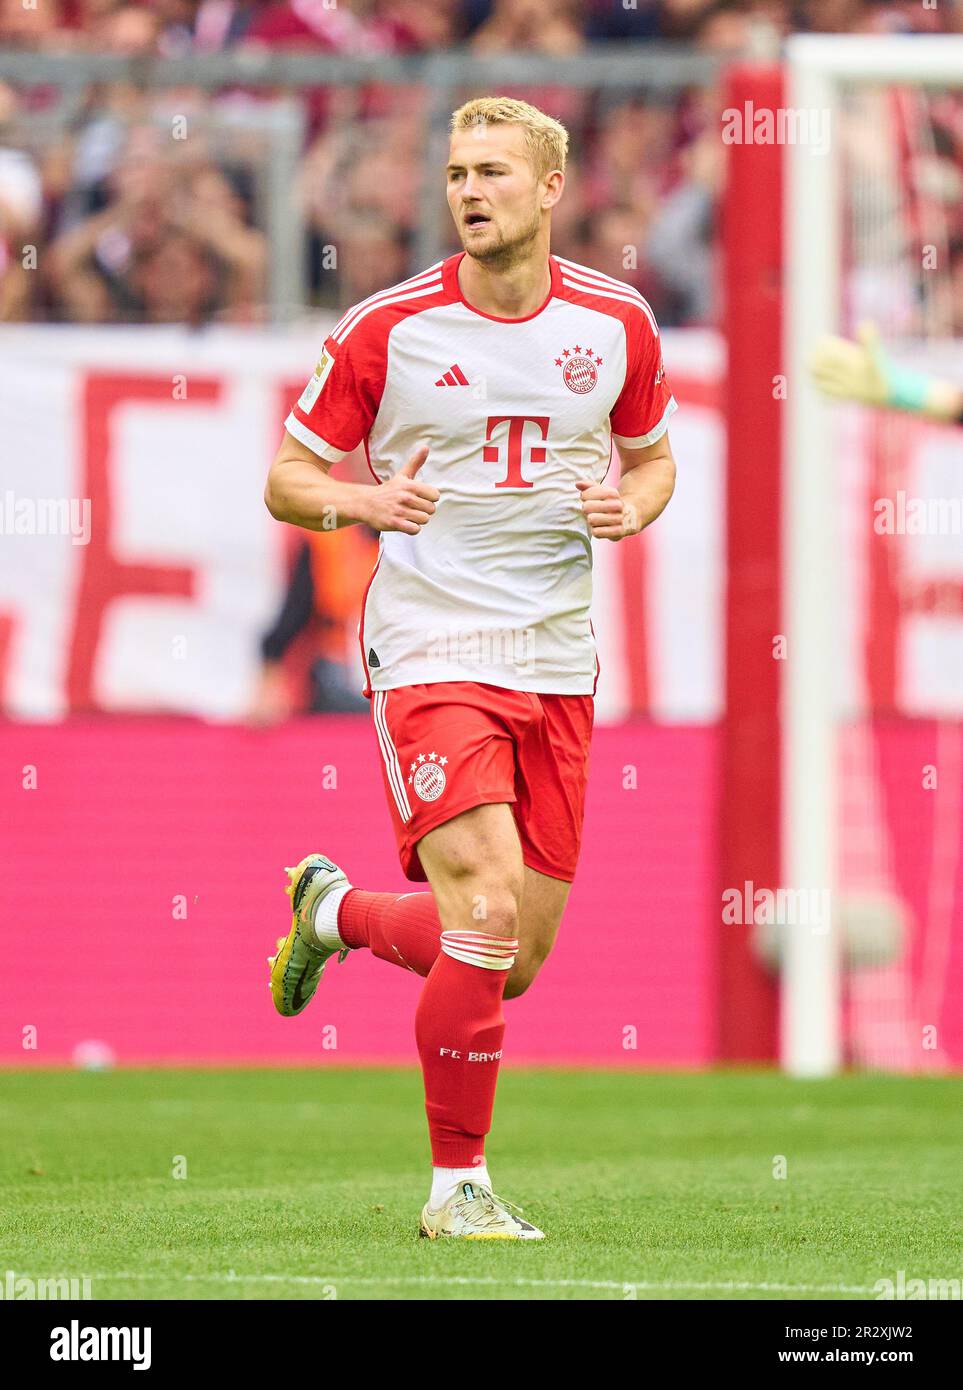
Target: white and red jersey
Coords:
[[497, 586]]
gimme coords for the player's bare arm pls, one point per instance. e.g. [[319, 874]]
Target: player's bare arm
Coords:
[[301, 491], [647, 483]]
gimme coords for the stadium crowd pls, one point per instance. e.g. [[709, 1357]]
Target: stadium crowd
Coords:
[[130, 224]]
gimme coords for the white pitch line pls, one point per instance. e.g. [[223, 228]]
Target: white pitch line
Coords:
[[725, 1286]]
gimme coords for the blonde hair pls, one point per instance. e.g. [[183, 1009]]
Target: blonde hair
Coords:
[[546, 139]]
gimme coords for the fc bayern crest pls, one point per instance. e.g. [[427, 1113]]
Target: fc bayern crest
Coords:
[[427, 776], [579, 369]]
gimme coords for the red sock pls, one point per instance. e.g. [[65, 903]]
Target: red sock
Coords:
[[402, 928], [459, 1026]]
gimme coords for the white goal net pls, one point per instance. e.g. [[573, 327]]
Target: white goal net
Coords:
[[873, 553]]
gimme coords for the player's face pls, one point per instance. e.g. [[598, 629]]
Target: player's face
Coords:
[[493, 192]]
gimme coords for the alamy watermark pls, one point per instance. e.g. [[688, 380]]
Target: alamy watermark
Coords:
[[14, 1286], [45, 516], [918, 516], [901, 1288], [500, 647], [750, 124], [76, 1343], [775, 907]]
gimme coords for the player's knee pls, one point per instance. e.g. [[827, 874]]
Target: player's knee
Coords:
[[485, 901], [496, 911]]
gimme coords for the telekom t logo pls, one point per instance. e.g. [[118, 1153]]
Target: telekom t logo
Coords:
[[492, 452]]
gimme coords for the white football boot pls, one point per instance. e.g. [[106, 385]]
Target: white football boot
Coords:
[[475, 1213]]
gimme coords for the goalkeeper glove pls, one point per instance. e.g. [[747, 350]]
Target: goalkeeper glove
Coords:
[[864, 372]]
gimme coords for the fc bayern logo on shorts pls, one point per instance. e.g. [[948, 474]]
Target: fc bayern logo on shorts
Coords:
[[579, 369], [427, 776]]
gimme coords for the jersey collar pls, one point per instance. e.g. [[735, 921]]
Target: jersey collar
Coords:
[[449, 272]]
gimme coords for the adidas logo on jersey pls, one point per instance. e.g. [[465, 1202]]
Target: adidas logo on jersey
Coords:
[[453, 377]]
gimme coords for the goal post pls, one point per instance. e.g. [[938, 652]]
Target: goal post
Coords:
[[819, 69]]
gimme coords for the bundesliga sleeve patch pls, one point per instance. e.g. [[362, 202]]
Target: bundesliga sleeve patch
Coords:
[[312, 391]]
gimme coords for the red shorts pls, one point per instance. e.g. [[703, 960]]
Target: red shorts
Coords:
[[452, 745]]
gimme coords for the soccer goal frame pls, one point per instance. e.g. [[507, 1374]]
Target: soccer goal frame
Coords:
[[818, 66]]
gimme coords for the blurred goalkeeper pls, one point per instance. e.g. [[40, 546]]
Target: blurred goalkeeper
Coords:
[[863, 372]]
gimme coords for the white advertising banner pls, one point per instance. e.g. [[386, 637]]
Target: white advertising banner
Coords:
[[139, 566]]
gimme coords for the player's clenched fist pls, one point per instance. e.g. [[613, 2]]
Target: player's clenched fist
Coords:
[[403, 503], [609, 516]]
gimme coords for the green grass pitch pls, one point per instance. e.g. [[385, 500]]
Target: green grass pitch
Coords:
[[308, 1184]]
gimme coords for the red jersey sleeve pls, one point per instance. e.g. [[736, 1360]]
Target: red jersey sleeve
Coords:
[[336, 409], [641, 414]]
